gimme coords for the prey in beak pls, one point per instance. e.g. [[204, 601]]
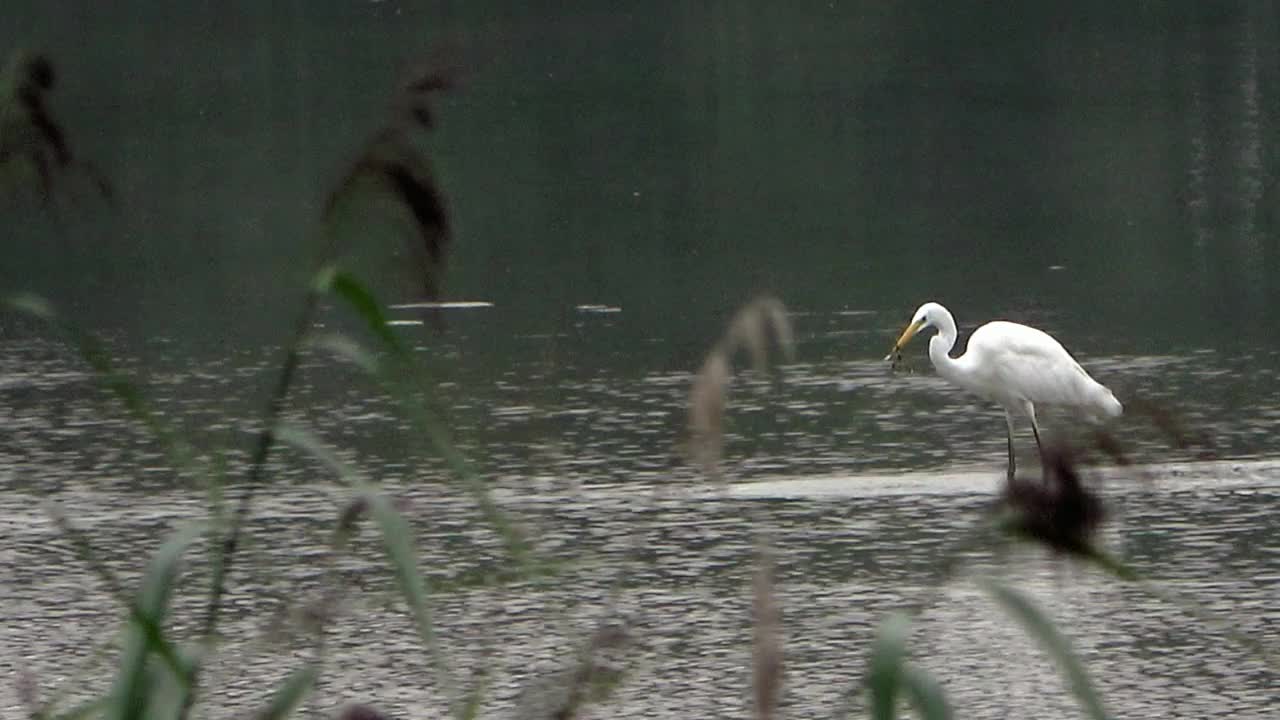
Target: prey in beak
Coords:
[[895, 355]]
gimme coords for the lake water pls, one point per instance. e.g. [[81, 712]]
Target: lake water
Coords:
[[584, 460], [622, 178]]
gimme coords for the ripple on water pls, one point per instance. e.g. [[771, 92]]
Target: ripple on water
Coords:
[[585, 460]]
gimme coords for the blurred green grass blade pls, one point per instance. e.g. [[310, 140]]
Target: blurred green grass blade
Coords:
[[308, 442], [925, 694], [884, 678], [426, 422], [304, 440], [167, 693], [33, 305], [157, 584], [1193, 609], [1111, 564], [178, 452], [131, 693], [89, 349], [363, 302], [323, 279], [347, 349], [475, 700], [398, 541], [146, 622], [290, 694], [87, 709], [1040, 627], [75, 678]]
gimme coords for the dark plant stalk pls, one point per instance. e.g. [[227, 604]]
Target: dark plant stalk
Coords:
[[257, 463], [428, 421]]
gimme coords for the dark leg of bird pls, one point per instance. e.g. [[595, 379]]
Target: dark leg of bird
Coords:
[[1011, 461], [1030, 411], [1012, 464]]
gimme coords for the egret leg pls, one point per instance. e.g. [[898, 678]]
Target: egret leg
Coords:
[[1008, 418], [1035, 428]]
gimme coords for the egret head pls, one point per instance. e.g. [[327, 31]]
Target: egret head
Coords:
[[928, 315]]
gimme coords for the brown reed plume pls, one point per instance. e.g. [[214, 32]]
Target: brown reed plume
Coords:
[[393, 174], [752, 329], [29, 134], [766, 647]]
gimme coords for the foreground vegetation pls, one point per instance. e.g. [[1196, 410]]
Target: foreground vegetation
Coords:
[[162, 675]]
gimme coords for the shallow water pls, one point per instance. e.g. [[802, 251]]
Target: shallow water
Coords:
[[860, 514]]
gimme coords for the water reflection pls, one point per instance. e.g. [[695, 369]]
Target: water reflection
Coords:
[[855, 154]]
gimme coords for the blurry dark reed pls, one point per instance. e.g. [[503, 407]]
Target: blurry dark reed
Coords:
[[400, 172], [1056, 509], [1174, 429], [32, 141], [593, 674], [1039, 626], [766, 646], [391, 167], [392, 176], [360, 712], [756, 327]]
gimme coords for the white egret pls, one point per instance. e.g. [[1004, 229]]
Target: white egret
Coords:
[[1016, 366]]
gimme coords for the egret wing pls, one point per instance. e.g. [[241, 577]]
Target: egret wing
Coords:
[[1020, 362]]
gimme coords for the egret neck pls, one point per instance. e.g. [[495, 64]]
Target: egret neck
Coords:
[[940, 346]]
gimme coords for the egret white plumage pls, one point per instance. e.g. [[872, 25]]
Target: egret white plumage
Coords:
[[1017, 366]]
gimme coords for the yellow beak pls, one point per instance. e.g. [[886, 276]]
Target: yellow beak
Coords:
[[906, 336]]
